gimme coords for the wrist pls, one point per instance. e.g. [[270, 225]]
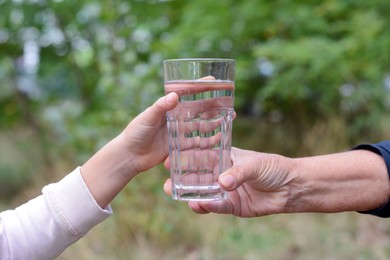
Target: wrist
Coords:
[[108, 171], [121, 159], [113, 158], [298, 192]]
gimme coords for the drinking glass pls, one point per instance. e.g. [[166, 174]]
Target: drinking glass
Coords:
[[200, 127]]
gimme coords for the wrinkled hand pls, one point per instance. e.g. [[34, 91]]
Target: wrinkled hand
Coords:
[[258, 184]]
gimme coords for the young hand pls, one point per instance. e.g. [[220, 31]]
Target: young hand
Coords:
[[142, 145]]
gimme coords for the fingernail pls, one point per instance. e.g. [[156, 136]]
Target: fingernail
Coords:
[[171, 98], [227, 181]]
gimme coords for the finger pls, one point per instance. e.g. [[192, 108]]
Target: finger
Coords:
[[233, 177], [160, 107], [219, 207], [167, 163], [197, 208], [168, 187], [207, 78]]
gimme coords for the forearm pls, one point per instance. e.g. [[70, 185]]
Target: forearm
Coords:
[[350, 181], [108, 171]]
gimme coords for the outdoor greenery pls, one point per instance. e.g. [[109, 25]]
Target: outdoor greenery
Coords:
[[312, 77]]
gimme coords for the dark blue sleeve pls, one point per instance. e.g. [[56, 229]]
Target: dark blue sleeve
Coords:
[[382, 148]]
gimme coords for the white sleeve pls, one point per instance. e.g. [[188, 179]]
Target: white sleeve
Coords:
[[43, 227]]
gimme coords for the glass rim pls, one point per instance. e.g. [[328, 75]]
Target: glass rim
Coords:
[[200, 59]]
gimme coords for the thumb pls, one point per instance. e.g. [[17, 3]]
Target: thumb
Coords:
[[160, 107], [167, 102], [235, 177]]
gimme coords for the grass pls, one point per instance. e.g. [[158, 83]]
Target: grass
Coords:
[[300, 236], [303, 236], [147, 224]]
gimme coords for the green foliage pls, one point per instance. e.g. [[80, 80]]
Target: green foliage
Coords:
[[335, 62]]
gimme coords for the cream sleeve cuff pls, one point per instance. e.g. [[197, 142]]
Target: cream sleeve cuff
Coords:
[[45, 226], [74, 205]]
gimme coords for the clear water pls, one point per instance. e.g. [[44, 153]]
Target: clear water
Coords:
[[199, 131]]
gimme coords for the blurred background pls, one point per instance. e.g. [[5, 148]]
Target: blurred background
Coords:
[[313, 77]]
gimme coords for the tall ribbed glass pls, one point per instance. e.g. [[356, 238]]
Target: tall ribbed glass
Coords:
[[200, 127]]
